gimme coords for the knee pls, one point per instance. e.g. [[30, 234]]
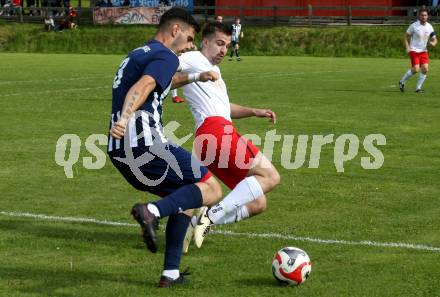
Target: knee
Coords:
[[269, 179], [415, 69], [274, 178], [215, 188], [261, 205], [424, 70], [257, 206]]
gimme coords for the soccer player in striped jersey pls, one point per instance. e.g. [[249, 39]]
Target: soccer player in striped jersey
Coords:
[[420, 33], [237, 34], [139, 150], [234, 159]]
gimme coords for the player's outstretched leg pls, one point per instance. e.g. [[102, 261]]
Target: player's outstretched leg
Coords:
[[174, 234], [190, 230], [245, 200], [191, 196], [422, 77], [176, 97], [237, 52], [407, 76], [149, 224]]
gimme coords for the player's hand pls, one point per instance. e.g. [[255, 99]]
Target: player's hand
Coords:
[[118, 129], [266, 113], [431, 43], [209, 75]]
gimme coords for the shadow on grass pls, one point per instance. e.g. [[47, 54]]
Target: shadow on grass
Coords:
[[53, 281], [258, 282], [97, 234]]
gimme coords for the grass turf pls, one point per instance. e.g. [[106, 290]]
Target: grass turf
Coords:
[[46, 96]]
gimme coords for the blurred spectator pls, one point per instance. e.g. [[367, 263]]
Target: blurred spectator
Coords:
[[49, 24], [218, 19], [72, 14], [66, 5], [66, 24], [16, 7], [30, 5], [6, 8]]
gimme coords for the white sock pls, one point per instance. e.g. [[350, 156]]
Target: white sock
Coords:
[[172, 273], [174, 92], [153, 209], [241, 213], [244, 192], [406, 76], [420, 80], [193, 221]]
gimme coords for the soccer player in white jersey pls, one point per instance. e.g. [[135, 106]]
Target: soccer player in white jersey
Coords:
[[421, 33], [232, 158]]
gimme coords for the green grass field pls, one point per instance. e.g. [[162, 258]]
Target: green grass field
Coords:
[[45, 96]]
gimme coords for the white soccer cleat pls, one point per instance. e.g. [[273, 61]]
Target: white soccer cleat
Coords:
[[202, 228], [189, 235], [190, 231]]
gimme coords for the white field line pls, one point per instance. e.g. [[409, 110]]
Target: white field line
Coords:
[[242, 77], [280, 74], [55, 91], [54, 79], [257, 74], [235, 234]]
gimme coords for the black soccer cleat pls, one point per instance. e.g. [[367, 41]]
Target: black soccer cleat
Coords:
[[419, 91], [166, 282], [149, 224], [401, 86]]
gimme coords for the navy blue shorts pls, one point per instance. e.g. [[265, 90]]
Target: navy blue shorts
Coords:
[[159, 172]]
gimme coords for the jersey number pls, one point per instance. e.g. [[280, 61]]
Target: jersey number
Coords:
[[118, 77]]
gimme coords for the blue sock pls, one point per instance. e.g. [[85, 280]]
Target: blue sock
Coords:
[[174, 234], [186, 197]]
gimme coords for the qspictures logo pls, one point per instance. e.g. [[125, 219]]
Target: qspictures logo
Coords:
[[293, 152]]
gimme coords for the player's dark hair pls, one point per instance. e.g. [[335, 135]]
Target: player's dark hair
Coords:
[[423, 9], [178, 14], [211, 27]]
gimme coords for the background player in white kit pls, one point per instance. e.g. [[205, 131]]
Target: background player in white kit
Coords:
[[420, 33], [237, 162]]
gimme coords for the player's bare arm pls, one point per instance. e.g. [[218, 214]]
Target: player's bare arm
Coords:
[[136, 96], [238, 112], [433, 41], [406, 36], [181, 79]]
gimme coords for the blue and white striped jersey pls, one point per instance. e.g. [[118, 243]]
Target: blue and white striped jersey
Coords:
[[236, 31], [159, 62]]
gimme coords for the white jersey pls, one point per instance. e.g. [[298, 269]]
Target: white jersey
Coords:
[[206, 99], [420, 35]]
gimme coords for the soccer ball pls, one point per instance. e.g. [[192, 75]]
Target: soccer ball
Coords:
[[291, 266]]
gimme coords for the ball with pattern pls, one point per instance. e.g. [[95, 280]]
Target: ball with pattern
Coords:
[[291, 266]]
